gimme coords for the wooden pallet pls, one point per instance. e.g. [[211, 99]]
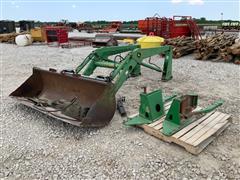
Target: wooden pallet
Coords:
[[196, 136]]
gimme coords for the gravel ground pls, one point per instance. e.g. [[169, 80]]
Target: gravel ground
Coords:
[[34, 146]]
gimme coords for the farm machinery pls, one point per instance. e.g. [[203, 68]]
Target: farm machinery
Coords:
[[82, 99]]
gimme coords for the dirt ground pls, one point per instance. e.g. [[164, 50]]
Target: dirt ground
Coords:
[[34, 146]]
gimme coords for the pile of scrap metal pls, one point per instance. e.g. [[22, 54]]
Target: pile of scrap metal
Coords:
[[82, 99], [215, 47]]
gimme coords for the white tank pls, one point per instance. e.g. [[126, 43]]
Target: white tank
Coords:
[[23, 40]]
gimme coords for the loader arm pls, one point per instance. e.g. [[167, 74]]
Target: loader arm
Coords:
[[100, 55], [136, 58], [109, 51]]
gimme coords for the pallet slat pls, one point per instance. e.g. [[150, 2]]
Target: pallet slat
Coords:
[[212, 130], [167, 103], [159, 126], [196, 129], [191, 126], [167, 107], [156, 122], [205, 126], [195, 137]]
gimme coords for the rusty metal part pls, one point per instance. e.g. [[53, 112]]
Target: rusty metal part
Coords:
[[83, 101], [188, 104]]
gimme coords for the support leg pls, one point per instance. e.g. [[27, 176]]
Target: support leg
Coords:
[[136, 71], [167, 67]]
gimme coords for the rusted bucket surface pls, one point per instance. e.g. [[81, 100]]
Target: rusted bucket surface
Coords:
[[71, 98]]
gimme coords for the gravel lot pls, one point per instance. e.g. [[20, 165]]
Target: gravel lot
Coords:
[[34, 146]]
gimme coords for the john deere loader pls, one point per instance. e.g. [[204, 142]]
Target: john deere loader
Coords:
[[79, 98]]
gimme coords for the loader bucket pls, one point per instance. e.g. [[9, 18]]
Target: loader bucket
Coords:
[[78, 100]]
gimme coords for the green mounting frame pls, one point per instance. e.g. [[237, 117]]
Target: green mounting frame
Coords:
[[100, 58], [129, 65], [151, 108], [181, 113]]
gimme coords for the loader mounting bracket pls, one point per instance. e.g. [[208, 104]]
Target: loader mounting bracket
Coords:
[[151, 108], [182, 113]]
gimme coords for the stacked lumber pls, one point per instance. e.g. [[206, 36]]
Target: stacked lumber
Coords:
[[217, 48], [10, 37], [181, 46]]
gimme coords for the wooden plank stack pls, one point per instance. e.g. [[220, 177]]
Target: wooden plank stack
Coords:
[[181, 45], [216, 48]]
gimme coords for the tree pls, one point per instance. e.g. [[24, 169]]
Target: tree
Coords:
[[203, 19]]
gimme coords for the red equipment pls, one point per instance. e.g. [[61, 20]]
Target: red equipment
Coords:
[[57, 34], [170, 28]]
